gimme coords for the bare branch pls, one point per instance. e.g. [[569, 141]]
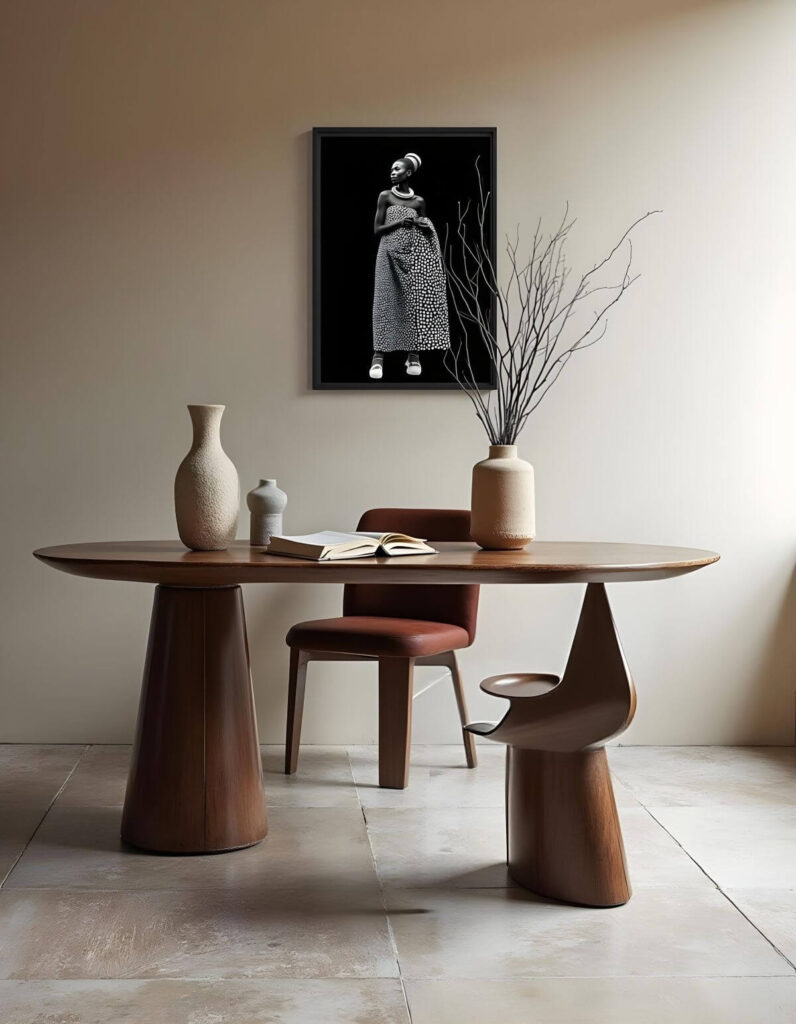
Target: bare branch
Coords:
[[534, 337]]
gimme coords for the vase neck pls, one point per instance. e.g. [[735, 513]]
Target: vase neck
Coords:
[[503, 451], [206, 420], [267, 483]]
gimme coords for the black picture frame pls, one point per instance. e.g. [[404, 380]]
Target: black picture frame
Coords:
[[330, 163]]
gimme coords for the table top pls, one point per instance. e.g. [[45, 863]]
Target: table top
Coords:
[[169, 562]]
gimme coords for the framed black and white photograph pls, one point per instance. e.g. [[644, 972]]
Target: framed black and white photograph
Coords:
[[389, 206]]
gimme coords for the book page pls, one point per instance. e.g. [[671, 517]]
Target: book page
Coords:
[[391, 538], [396, 547], [325, 538]]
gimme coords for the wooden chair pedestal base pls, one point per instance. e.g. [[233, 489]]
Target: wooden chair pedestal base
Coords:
[[563, 835], [196, 782]]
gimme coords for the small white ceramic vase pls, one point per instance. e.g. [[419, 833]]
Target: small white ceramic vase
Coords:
[[266, 504], [206, 489], [502, 509]]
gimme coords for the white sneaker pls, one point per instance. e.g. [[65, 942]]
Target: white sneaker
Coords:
[[376, 368], [413, 367]]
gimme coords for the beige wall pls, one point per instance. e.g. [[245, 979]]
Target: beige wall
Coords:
[[155, 251]]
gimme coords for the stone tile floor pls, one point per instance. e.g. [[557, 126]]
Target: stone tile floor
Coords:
[[370, 906]]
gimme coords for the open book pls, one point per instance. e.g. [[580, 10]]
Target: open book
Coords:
[[328, 546]]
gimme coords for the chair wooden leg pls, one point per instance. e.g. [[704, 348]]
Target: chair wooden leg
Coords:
[[295, 707], [395, 721], [461, 704]]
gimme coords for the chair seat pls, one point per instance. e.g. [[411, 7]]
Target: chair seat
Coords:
[[377, 636]]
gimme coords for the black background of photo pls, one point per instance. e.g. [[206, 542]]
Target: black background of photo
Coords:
[[351, 168]]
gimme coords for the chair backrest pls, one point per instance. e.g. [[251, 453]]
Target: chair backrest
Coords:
[[455, 603]]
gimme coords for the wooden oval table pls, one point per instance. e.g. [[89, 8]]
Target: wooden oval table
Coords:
[[195, 782]]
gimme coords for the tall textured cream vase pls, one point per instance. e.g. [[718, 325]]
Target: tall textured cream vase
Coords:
[[503, 515], [206, 489]]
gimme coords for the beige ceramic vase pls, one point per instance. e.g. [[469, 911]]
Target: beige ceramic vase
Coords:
[[502, 508], [206, 489]]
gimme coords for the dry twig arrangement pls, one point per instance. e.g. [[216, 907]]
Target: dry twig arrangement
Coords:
[[535, 335]]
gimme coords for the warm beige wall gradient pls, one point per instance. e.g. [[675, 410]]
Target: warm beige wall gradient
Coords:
[[155, 251]]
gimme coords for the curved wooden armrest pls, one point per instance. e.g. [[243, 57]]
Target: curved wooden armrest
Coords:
[[594, 700]]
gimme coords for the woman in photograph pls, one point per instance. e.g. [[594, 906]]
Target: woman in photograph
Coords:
[[410, 306]]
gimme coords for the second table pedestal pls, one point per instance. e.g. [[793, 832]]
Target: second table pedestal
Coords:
[[195, 783]]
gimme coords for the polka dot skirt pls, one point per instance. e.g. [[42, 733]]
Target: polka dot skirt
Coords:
[[410, 304]]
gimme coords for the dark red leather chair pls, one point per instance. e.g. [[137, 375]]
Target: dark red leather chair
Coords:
[[399, 626]]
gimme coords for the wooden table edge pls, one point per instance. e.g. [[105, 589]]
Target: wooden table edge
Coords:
[[382, 570]]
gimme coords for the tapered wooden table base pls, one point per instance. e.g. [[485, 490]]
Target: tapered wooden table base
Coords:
[[195, 782], [563, 835]]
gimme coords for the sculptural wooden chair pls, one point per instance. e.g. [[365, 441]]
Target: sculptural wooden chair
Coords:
[[563, 833], [399, 626]]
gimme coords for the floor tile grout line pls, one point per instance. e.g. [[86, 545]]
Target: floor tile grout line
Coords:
[[729, 745], [771, 942], [677, 842], [352, 979], [295, 887], [32, 836], [501, 978], [73, 890], [415, 807], [721, 890], [390, 931], [382, 898]]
